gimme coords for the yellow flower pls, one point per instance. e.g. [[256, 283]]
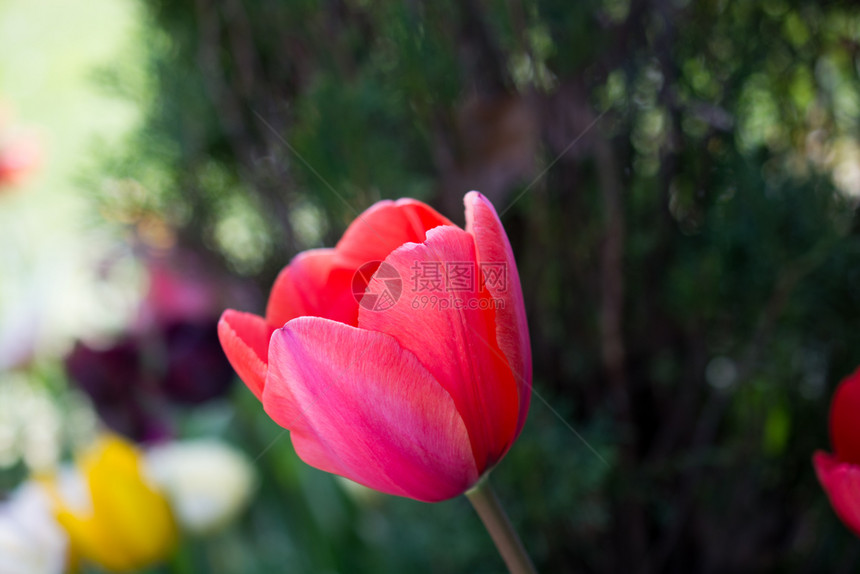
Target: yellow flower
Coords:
[[117, 520]]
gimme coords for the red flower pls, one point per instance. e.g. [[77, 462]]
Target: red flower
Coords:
[[422, 388], [18, 158], [839, 473]]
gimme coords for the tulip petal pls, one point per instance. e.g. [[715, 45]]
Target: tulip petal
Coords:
[[245, 340], [359, 405], [841, 482], [451, 328], [845, 419], [502, 280], [312, 284], [384, 227]]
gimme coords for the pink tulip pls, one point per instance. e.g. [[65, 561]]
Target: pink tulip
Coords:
[[420, 398], [839, 473]]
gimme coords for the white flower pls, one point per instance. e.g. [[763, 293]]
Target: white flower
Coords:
[[206, 481], [31, 540]]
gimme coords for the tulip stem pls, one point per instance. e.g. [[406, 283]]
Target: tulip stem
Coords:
[[488, 507]]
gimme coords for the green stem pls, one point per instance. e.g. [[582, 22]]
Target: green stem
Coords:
[[487, 505]]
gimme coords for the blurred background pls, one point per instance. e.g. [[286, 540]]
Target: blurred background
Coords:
[[679, 181]]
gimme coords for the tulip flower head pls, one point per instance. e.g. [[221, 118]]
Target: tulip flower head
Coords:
[[839, 473], [415, 390], [113, 515]]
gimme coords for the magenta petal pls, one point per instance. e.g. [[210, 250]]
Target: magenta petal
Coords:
[[312, 284], [357, 404], [841, 482], [385, 226], [450, 326], [245, 340], [496, 259]]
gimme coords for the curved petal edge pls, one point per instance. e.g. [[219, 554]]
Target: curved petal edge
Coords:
[[500, 277], [841, 482], [245, 340], [312, 284], [359, 405], [385, 226]]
